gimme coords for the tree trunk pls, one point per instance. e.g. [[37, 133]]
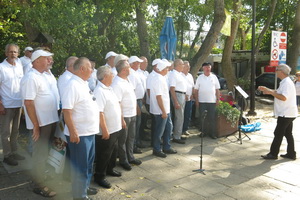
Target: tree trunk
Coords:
[[294, 51], [262, 33], [227, 52], [141, 8], [210, 39]]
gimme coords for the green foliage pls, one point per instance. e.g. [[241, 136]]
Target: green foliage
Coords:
[[244, 83], [230, 113]]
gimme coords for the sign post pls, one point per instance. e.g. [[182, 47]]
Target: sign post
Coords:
[[278, 48]]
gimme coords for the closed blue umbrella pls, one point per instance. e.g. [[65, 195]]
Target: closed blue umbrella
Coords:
[[168, 40]]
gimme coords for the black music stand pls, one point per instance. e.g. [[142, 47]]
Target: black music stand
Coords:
[[242, 96], [201, 146]]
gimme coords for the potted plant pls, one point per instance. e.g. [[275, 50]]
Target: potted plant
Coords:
[[227, 118]]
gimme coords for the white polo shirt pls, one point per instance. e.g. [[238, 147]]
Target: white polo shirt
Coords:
[[108, 104], [10, 78], [177, 80], [189, 83], [34, 86], [53, 85], [143, 75], [159, 87], [126, 96], [287, 108], [26, 63], [137, 83], [206, 86], [62, 81], [148, 84], [81, 101], [113, 70]]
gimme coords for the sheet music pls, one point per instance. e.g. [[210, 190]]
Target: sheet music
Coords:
[[241, 91]]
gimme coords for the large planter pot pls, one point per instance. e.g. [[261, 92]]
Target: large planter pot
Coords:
[[224, 127]]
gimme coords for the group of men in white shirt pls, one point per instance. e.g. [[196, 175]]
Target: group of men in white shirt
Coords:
[[115, 100]]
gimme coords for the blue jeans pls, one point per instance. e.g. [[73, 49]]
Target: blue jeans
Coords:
[[187, 115], [163, 129], [82, 157]]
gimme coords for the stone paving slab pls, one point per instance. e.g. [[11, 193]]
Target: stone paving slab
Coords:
[[233, 171]]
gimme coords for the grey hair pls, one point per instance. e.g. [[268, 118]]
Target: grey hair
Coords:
[[70, 61], [102, 71], [9, 45], [121, 65], [80, 62], [176, 62], [284, 68]]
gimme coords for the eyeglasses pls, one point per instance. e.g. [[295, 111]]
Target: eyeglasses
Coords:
[[278, 69], [298, 75]]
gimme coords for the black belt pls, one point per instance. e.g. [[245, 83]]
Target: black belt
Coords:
[[180, 92]]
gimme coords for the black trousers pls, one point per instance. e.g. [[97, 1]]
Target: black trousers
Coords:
[[106, 155], [284, 128]]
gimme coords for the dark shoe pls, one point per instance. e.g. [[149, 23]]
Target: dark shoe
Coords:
[[183, 138], [213, 137], [170, 151], [18, 157], [293, 157], [10, 161], [179, 141], [137, 150], [103, 183], [84, 198], [114, 173], [269, 157], [135, 162], [159, 154], [91, 191], [141, 145], [126, 166]]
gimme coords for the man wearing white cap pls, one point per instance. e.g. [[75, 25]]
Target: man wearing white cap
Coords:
[[178, 88], [125, 93], [160, 108], [26, 59], [136, 80], [41, 116], [110, 58], [11, 72], [148, 87]]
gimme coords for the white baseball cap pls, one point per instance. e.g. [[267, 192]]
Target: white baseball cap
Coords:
[[109, 54], [133, 59], [156, 61], [38, 53], [119, 57], [161, 65], [28, 49]]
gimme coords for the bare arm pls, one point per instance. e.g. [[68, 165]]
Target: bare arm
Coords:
[[74, 138], [266, 90], [30, 108], [105, 133], [161, 106], [2, 109], [217, 96], [196, 97]]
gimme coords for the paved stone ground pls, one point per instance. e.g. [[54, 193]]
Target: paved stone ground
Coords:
[[233, 171]]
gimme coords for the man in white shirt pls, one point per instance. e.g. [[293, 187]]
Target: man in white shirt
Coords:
[[26, 59], [139, 89], [178, 88], [110, 61], [82, 124], [160, 108], [11, 72], [125, 93], [41, 116], [65, 77], [285, 109], [207, 96], [106, 141], [189, 97]]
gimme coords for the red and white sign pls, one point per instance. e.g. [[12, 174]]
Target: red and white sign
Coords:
[[278, 48]]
